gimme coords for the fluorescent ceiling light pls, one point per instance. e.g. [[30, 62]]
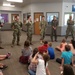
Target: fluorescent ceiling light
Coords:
[[8, 4], [20, 1]]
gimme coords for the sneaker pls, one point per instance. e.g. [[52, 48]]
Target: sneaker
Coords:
[[18, 45], [12, 46], [4, 67], [8, 55], [1, 48]]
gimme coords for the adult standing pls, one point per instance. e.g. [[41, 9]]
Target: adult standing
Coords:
[[29, 25], [16, 26], [54, 25], [1, 25], [70, 28], [43, 25]]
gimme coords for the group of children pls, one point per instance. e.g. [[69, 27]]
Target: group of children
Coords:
[[37, 59], [3, 66]]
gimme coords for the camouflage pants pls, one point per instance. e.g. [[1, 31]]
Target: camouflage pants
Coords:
[[53, 33], [29, 37], [16, 36], [42, 33], [69, 30]]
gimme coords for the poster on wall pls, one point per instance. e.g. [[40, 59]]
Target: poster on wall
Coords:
[[4, 18], [50, 16]]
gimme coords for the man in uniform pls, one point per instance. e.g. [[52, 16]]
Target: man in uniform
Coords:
[[70, 24], [54, 25], [43, 25], [16, 26], [1, 25], [29, 25]]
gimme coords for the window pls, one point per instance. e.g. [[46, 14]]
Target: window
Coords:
[[50, 16], [67, 17]]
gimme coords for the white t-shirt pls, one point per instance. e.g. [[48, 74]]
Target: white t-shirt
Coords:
[[41, 70]]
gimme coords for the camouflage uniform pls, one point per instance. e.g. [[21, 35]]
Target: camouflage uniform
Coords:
[[16, 25], [70, 28], [43, 25], [29, 30], [54, 23]]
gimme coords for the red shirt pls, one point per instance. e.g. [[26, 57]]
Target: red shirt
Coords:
[[43, 48]]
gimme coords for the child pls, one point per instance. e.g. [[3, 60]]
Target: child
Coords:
[[7, 56], [72, 45], [32, 66], [67, 70], [51, 51], [44, 47], [62, 46], [42, 64], [26, 52], [66, 57]]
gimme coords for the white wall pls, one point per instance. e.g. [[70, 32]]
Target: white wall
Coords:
[[10, 8], [66, 8], [45, 7], [27, 9], [9, 14]]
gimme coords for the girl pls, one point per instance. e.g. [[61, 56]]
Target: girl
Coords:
[[32, 66], [42, 65], [72, 45], [26, 52], [62, 46]]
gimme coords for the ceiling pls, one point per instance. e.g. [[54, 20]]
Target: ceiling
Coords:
[[25, 2]]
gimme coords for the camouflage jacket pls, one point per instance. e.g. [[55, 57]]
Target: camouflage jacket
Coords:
[[70, 23], [54, 23], [43, 25], [16, 26], [29, 26]]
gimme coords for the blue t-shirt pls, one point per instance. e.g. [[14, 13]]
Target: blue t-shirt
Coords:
[[51, 52], [67, 56]]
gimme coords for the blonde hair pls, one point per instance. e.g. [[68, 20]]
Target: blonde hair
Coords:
[[50, 44], [46, 58]]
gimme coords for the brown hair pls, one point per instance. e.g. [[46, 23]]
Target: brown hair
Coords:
[[28, 16], [63, 40], [34, 52], [16, 16], [67, 48], [45, 42], [26, 43], [67, 70], [43, 16]]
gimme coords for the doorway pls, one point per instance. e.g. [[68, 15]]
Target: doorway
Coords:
[[13, 16], [38, 17]]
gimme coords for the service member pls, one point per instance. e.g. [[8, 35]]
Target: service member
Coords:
[[43, 26], [70, 28], [16, 26], [1, 25], [54, 25], [29, 25]]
